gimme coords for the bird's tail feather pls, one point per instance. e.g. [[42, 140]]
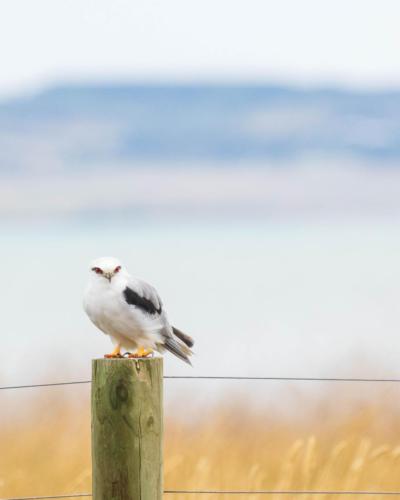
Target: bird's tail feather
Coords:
[[180, 350], [182, 336]]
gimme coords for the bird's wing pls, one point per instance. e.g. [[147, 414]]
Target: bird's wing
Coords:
[[140, 294]]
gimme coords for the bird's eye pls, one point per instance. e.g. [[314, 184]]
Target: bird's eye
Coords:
[[97, 270], [117, 269]]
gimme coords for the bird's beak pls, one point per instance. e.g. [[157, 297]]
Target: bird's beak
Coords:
[[108, 276]]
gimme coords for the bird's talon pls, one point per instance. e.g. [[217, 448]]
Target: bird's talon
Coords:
[[115, 354], [141, 353]]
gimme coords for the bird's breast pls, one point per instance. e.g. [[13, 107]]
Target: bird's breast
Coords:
[[110, 313]]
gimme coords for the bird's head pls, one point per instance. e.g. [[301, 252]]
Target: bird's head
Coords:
[[106, 267]]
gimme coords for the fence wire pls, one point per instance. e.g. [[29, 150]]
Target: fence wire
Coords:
[[281, 492], [232, 492], [72, 495], [217, 377]]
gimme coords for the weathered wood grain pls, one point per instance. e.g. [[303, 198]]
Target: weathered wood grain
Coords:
[[127, 428]]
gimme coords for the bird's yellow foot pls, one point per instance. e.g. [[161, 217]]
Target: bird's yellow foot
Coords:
[[141, 353], [115, 354]]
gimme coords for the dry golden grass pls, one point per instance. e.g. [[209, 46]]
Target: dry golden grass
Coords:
[[47, 450]]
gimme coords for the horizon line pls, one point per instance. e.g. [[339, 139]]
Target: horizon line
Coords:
[[33, 90]]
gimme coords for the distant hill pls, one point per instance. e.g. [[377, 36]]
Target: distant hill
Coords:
[[86, 127]]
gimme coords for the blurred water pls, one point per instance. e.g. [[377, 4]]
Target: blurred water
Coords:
[[308, 298]]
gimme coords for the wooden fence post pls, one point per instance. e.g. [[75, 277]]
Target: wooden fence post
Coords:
[[127, 429]]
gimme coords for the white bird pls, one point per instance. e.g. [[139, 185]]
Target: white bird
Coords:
[[130, 311]]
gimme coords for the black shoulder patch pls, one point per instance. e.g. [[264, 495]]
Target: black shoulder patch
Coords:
[[134, 299]]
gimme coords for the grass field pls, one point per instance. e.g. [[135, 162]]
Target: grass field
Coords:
[[45, 449]]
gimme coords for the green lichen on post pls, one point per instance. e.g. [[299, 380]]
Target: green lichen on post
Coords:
[[127, 428]]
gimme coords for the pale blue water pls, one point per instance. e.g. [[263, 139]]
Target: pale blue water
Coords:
[[309, 298]]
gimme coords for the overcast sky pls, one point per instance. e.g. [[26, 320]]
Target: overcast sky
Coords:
[[347, 42]]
